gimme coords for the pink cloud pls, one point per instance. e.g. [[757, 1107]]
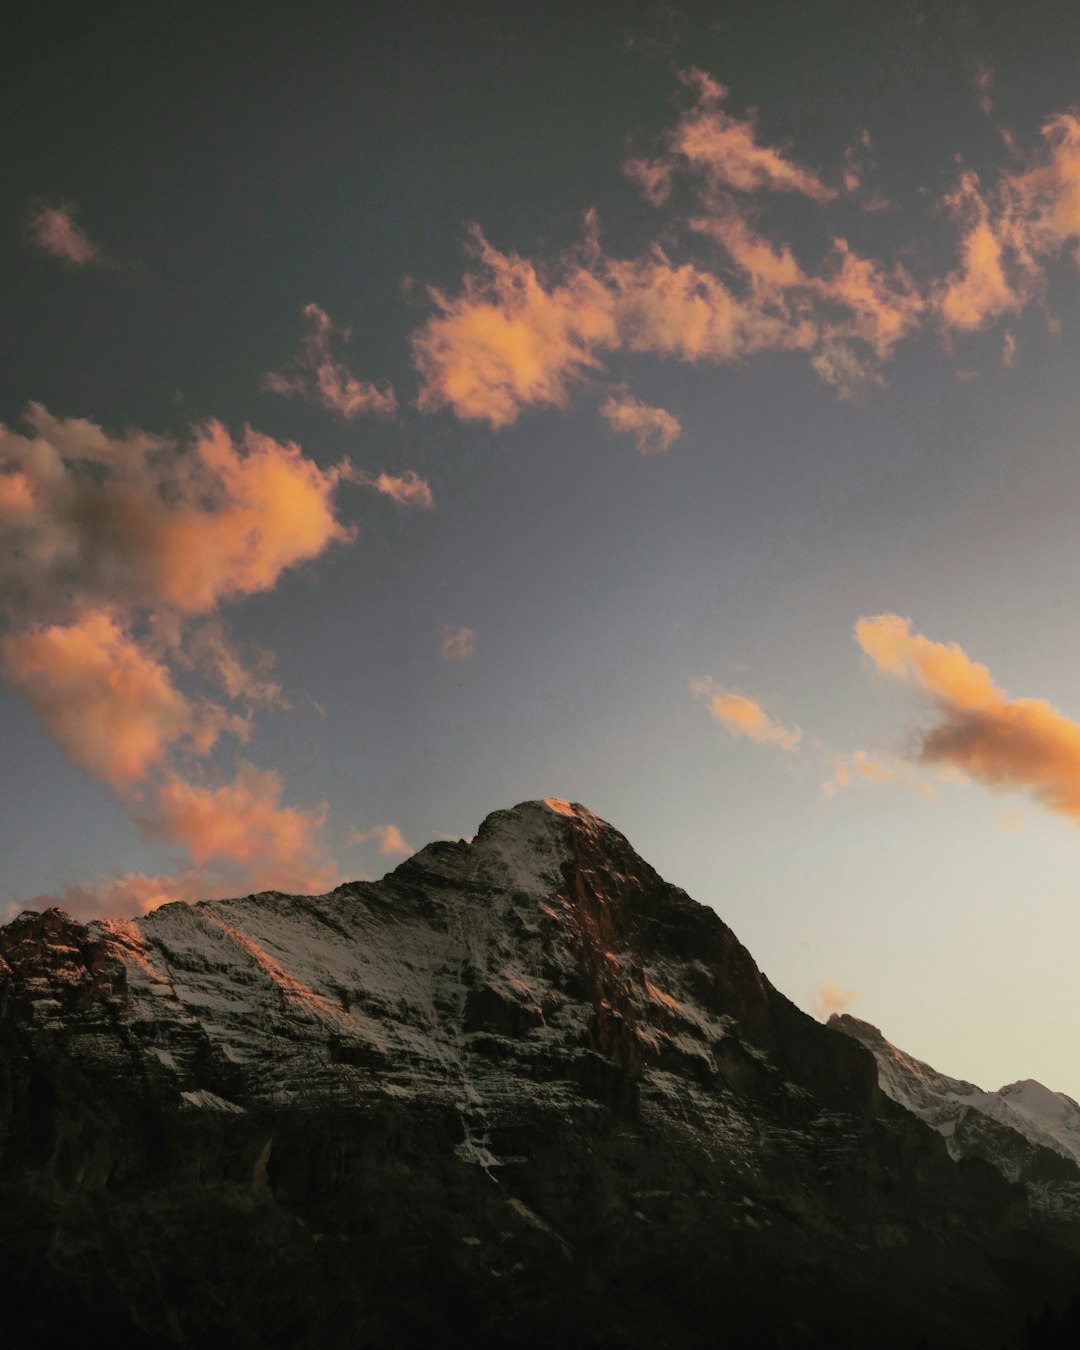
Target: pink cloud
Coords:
[[54, 230]]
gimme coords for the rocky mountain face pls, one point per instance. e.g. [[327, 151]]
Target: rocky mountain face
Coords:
[[521, 1092], [1027, 1132]]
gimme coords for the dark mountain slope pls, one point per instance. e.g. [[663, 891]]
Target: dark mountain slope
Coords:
[[520, 1092]]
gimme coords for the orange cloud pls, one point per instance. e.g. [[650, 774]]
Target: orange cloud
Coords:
[[832, 999], [391, 841], [653, 429], [54, 230], [112, 707], [321, 378], [989, 281], [725, 151], [1021, 745], [116, 552], [407, 489], [516, 338], [458, 644], [244, 822], [744, 716], [859, 765], [90, 519]]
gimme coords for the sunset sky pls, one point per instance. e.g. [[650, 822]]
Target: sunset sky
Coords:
[[409, 410]]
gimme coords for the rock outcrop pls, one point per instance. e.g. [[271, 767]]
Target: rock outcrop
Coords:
[[519, 1092]]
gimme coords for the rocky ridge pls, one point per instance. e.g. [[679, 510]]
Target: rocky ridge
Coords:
[[521, 1091], [1029, 1133]]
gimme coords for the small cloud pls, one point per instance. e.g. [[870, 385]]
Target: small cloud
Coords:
[[316, 374], [743, 715], [984, 90], [407, 489], [861, 766], [457, 643], [1008, 351], [390, 839], [54, 230], [832, 999], [1010, 822], [653, 429]]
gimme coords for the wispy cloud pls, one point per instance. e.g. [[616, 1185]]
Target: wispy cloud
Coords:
[[458, 643], [725, 150], [743, 715], [54, 230], [407, 489], [653, 429], [319, 376], [1009, 744], [859, 766]]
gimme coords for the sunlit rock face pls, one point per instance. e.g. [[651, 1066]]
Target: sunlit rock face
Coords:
[[521, 1092]]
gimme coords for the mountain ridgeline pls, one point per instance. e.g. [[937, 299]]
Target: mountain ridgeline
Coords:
[[521, 1092]]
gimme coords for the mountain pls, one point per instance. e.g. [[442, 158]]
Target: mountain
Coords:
[[1027, 1132], [521, 1092]]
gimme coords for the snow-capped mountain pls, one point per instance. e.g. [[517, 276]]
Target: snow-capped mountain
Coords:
[[1013, 1128], [522, 1091]]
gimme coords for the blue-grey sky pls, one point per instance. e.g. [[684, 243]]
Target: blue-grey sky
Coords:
[[410, 410]]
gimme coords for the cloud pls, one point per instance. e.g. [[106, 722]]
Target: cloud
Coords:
[[244, 822], [390, 838], [112, 707], [832, 999], [317, 376], [458, 644], [1007, 744], [743, 715], [725, 150], [984, 90], [653, 429], [90, 519], [848, 768], [54, 230], [207, 647], [407, 489], [989, 281], [132, 893], [116, 554], [518, 337]]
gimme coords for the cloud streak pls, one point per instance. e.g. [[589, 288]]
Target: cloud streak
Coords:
[[742, 715]]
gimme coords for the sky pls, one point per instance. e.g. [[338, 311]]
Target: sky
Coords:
[[408, 411]]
